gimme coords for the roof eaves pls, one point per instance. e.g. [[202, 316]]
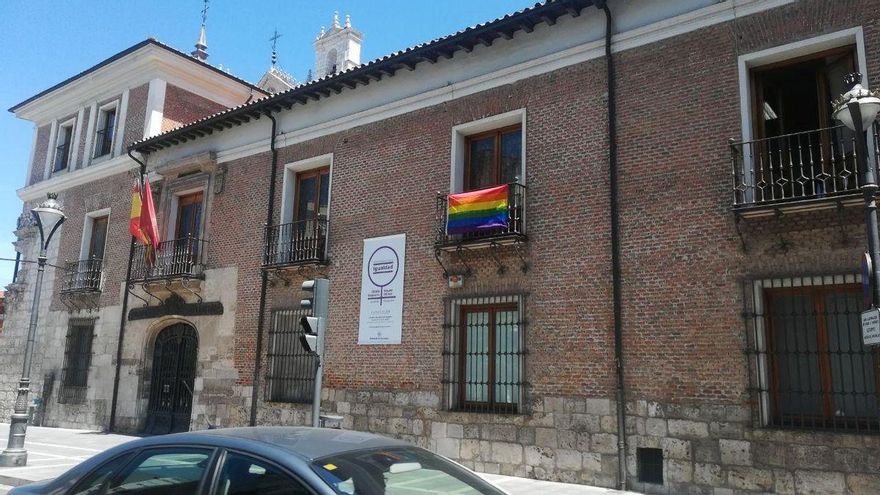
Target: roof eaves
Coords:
[[123, 53], [431, 51]]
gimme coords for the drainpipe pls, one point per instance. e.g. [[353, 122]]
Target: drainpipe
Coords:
[[617, 281], [123, 319], [264, 277]]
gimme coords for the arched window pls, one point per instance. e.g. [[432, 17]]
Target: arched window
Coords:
[[331, 62]]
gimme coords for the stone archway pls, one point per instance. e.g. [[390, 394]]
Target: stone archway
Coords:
[[175, 354]]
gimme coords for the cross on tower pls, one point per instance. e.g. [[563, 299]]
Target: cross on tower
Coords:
[[274, 40], [205, 12]]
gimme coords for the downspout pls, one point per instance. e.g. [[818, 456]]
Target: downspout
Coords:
[[615, 251], [122, 319], [264, 277]]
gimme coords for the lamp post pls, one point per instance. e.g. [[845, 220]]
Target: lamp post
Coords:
[[48, 216], [857, 109]]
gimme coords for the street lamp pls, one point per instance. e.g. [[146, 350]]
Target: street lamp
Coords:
[[49, 217], [857, 109]]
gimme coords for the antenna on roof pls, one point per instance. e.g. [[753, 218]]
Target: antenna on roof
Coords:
[[201, 51], [274, 40]]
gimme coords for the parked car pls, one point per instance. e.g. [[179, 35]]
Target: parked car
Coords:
[[265, 461]]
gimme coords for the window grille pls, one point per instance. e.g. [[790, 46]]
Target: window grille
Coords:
[[808, 366], [484, 354], [77, 358], [292, 370]]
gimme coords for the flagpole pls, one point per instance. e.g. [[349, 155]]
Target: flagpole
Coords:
[[122, 318]]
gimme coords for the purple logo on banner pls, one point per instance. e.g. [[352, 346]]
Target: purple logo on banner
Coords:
[[382, 268]]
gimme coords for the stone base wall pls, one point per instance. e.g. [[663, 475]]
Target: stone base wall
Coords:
[[707, 449]]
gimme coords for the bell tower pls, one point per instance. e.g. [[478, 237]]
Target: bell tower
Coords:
[[338, 48]]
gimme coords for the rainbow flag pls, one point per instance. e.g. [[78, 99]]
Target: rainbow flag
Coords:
[[477, 210]]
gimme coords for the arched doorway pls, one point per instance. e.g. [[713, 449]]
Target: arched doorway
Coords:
[[174, 371]]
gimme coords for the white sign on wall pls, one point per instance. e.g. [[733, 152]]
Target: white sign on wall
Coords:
[[871, 327], [382, 290]]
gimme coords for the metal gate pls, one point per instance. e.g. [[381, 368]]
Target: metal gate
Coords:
[[174, 370]]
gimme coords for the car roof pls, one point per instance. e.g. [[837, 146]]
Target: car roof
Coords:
[[306, 443]]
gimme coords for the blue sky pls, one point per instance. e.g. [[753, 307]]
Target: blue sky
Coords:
[[46, 42]]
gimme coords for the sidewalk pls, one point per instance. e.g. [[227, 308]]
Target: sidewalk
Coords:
[[52, 451]]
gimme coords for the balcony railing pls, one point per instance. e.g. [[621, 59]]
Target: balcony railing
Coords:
[[296, 243], [82, 276], [62, 157], [802, 166], [104, 142], [514, 232], [175, 259]]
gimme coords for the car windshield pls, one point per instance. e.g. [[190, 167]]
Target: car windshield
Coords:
[[398, 471]]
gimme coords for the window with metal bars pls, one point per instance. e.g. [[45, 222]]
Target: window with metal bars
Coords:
[[809, 367], [291, 375], [77, 358], [484, 354]]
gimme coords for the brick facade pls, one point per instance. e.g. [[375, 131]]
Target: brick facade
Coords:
[[684, 257], [182, 106]]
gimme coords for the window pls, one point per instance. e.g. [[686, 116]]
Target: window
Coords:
[[291, 369], [650, 465], [77, 358], [105, 133], [63, 148], [812, 369], [493, 158], [172, 471], [795, 95], [312, 193], [242, 475], [95, 482], [189, 216], [484, 354], [331, 62], [97, 238]]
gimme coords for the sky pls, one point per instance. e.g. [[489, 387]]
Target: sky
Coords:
[[44, 42]]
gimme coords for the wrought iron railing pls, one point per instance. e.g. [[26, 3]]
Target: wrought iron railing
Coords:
[[805, 165], [178, 258], [104, 142], [295, 243], [62, 157], [82, 276], [516, 225]]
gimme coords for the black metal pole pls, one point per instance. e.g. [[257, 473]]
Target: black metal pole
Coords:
[[15, 453], [264, 279], [869, 189], [122, 319], [616, 275]]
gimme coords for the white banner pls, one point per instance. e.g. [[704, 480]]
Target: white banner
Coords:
[[382, 290]]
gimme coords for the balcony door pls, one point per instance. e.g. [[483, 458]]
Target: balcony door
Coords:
[[312, 193], [493, 158], [801, 151], [189, 216], [97, 239]]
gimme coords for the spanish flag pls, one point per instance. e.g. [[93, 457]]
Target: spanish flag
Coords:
[[142, 221]]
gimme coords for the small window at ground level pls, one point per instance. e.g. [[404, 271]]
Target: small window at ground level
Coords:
[[493, 158], [650, 465]]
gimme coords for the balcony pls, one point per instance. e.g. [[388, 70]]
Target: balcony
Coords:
[[178, 259], [295, 244], [801, 171], [82, 276], [513, 233]]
